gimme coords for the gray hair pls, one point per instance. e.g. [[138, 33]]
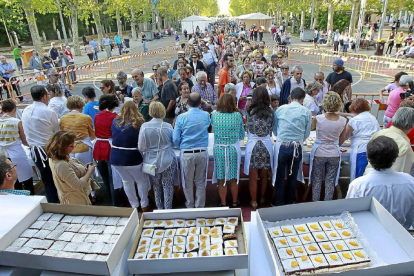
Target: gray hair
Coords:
[[137, 89], [121, 74], [138, 71], [313, 86], [162, 71], [229, 87], [4, 168], [50, 71], [405, 80], [201, 74], [404, 118], [297, 67]]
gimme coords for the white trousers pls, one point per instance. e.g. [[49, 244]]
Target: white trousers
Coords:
[[195, 165], [131, 175]]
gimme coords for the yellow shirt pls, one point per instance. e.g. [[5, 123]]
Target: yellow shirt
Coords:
[[82, 125], [405, 157], [399, 39]]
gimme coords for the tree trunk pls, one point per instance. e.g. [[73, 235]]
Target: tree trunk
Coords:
[[54, 24], [8, 35], [118, 22], [133, 24], [302, 20], [331, 10], [315, 17], [75, 34], [99, 28], [354, 17], [34, 32]]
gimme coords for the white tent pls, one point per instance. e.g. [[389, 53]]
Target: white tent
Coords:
[[257, 18], [190, 23]]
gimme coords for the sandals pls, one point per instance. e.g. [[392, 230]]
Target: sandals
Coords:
[[253, 204], [236, 204]]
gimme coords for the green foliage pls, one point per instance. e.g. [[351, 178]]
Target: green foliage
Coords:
[[341, 20], [13, 17]]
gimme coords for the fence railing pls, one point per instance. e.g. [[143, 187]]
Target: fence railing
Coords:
[[20, 85]]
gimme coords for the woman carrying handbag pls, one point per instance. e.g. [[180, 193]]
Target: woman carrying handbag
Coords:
[[155, 140]]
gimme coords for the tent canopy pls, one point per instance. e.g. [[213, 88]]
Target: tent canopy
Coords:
[[255, 16], [195, 18], [190, 23]]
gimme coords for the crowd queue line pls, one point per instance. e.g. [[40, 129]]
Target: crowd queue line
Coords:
[[130, 133]]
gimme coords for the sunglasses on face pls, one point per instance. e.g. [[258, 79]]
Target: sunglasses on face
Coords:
[[56, 75], [284, 68], [154, 69], [102, 88]]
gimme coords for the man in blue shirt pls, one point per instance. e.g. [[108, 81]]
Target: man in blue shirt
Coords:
[[8, 176], [292, 127], [148, 86], [106, 42], [118, 42], [191, 137], [7, 70], [95, 48]]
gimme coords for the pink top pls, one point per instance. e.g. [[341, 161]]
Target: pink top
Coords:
[[394, 101], [328, 131], [245, 91]]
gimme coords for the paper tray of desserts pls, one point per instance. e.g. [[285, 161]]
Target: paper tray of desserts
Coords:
[[189, 241], [313, 238], [69, 238]]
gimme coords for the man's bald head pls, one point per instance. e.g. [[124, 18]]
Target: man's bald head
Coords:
[[137, 72], [319, 77], [194, 100]]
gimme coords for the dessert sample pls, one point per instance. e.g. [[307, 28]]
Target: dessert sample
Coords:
[[75, 237], [180, 238], [316, 247]]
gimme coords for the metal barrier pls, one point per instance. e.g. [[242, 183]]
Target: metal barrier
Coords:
[[389, 67], [354, 62], [22, 83], [86, 70], [305, 56]]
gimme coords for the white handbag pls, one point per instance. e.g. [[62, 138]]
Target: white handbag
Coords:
[[151, 168]]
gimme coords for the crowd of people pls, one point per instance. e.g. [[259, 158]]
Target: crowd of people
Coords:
[[155, 133]]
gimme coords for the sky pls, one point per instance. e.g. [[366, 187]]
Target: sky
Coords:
[[224, 6]]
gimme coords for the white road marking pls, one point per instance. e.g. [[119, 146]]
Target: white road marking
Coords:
[[360, 79]]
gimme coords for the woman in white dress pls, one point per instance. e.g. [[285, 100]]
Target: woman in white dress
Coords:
[[360, 130], [272, 86], [57, 100], [12, 138], [312, 89]]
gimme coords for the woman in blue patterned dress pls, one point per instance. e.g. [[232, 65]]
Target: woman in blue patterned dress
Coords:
[[228, 130], [259, 148]]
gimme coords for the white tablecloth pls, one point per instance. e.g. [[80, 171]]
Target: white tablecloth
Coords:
[[306, 153]]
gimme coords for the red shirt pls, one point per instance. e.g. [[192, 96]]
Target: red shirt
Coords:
[[103, 123], [69, 54], [221, 36], [410, 135], [224, 78]]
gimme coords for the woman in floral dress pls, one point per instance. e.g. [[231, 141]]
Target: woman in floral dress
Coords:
[[259, 147], [228, 130]]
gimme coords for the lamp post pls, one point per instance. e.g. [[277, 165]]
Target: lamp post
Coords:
[[384, 15], [63, 23]]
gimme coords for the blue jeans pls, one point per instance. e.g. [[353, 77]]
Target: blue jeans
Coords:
[[361, 164], [345, 47], [95, 54], [120, 48], [144, 45], [285, 160]]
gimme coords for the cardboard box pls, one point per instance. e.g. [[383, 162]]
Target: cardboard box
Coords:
[[385, 235], [195, 264], [64, 264]]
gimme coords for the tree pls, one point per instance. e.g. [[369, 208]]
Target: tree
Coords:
[[354, 16], [29, 7]]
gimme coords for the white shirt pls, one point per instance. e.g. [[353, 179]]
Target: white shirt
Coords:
[[58, 105], [394, 190], [310, 103], [322, 92], [364, 125], [39, 123]]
